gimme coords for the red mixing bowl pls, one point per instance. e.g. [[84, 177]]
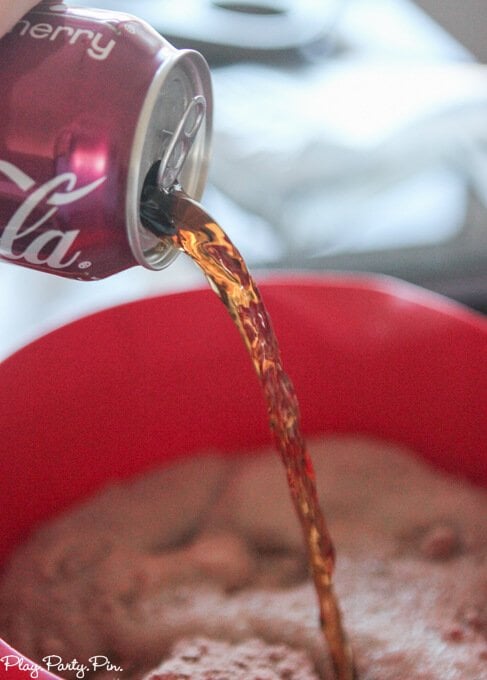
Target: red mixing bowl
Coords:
[[135, 386]]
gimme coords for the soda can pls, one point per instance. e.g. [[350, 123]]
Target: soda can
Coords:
[[94, 105]]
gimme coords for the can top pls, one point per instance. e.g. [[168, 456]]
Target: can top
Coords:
[[171, 144]]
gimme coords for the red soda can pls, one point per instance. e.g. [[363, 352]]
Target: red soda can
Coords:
[[94, 104]]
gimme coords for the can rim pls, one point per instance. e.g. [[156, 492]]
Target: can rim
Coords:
[[165, 252]]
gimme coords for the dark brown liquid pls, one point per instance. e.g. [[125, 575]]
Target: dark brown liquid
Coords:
[[207, 244]]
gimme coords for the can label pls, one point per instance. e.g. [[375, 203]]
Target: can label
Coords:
[[44, 199], [74, 83], [97, 45]]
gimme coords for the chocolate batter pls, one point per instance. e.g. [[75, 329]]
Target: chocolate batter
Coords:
[[201, 565]]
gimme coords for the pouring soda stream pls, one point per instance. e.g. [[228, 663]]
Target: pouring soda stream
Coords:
[[88, 212], [199, 236]]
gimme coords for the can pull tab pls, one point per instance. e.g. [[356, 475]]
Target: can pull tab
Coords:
[[181, 143]]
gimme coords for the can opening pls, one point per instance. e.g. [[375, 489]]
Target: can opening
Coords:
[[171, 142], [154, 213]]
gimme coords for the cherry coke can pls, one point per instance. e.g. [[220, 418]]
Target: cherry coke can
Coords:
[[93, 105]]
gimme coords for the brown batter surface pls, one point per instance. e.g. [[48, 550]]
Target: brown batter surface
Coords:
[[201, 565]]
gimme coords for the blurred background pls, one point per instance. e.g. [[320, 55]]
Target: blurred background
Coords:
[[349, 135]]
